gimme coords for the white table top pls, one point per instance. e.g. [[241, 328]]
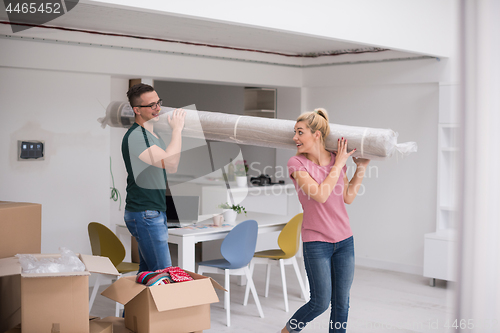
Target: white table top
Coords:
[[188, 236], [264, 220]]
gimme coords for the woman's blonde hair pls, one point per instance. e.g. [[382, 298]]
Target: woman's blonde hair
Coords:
[[317, 120]]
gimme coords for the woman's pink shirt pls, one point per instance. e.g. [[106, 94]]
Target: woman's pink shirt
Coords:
[[324, 222]]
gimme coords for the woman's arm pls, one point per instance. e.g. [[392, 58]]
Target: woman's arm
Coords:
[[351, 188], [321, 192]]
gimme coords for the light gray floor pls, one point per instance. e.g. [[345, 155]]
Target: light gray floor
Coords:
[[381, 301]]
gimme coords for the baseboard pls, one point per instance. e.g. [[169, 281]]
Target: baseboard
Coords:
[[389, 266]]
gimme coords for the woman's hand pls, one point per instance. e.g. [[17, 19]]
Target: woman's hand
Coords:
[[361, 162], [352, 188], [342, 154], [176, 119]]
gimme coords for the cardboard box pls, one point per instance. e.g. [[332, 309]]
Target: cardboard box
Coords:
[[10, 302], [21, 225], [97, 326], [16, 329], [168, 308], [117, 325], [54, 302], [21, 233]]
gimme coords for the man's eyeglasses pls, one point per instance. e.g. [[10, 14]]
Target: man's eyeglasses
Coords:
[[153, 106]]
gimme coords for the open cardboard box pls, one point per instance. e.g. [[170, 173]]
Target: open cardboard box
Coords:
[[54, 302], [167, 308], [21, 225]]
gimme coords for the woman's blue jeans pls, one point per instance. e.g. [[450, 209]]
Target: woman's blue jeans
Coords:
[[330, 270], [151, 232]]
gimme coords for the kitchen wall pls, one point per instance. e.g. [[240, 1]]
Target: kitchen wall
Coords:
[[230, 99]]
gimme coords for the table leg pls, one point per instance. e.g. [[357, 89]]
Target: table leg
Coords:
[[186, 254]]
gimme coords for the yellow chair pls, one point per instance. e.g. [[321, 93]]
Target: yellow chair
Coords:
[[105, 243], [289, 243]]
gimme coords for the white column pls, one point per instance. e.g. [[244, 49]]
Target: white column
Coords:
[[478, 291]]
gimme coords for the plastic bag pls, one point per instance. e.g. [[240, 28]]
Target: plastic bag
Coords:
[[67, 262]]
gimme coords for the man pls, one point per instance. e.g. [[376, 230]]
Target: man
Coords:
[[147, 160]]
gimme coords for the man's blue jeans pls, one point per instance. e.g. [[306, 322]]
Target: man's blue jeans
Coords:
[[330, 270], [150, 230]]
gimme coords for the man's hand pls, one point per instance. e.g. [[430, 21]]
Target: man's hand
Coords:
[[176, 119]]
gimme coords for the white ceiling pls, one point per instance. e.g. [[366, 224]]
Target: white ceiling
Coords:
[[169, 27], [107, 19]]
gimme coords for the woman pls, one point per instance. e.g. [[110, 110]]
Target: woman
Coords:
[[323, 189]]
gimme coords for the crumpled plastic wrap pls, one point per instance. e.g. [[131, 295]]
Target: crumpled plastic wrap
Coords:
[[372, 143], [68, 262]]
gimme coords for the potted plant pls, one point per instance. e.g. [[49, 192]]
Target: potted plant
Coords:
[[231, 211], [241, 169]]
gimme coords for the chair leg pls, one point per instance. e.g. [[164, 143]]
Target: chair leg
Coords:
[[94, 291], [299, 277], [268, 277], [283, 283], [227, 297], [254, 291], [247, 288], [118, 306]]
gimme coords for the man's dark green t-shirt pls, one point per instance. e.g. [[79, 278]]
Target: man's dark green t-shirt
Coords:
[[146, 184]]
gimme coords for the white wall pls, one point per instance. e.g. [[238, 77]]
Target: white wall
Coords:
[[389, 221], [398, 207], [118, 90], [421, 26], [57, 86], [135, 63], [350, 96], [72, 183], [61, 102]]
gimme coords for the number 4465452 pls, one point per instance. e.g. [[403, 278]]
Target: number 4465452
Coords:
[[470, 324], [32, 8], [460, 324]]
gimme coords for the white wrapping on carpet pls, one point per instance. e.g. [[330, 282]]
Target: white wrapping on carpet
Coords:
[[372, 143]]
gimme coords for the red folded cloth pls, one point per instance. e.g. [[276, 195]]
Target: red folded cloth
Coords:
[[176, 273]]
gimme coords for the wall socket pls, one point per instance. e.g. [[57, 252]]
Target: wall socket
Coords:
[[30, 150]]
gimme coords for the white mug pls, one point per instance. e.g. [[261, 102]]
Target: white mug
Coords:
[[218, 220]]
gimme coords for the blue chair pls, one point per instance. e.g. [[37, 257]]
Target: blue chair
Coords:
[[237, 250]]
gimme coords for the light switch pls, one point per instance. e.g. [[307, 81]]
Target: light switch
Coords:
[[29, 150]]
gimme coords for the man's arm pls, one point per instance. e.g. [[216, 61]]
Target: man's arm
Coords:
[[169, 158]]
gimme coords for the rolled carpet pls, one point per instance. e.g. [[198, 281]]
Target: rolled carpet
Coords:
[[372, 143]]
